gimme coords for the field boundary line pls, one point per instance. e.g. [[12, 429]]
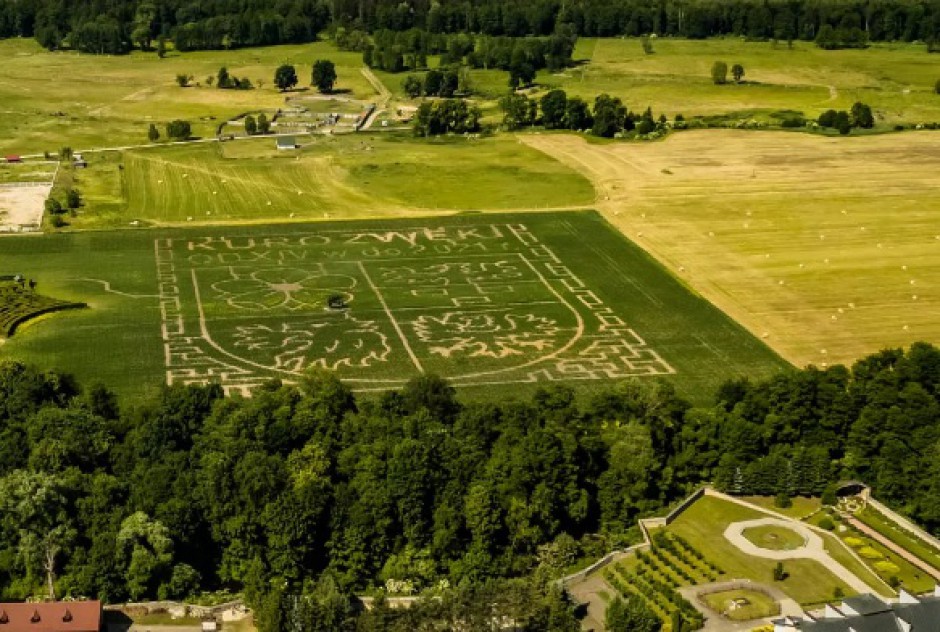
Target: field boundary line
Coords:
[[391, 317]]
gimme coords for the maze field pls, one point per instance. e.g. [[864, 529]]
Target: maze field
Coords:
[[481, 304], [487, 301]]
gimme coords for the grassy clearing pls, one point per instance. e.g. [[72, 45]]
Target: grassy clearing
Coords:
[[27, 172], [347, 177], [774, 538], [703, 525], [828, 248], [903, 538], [405, 262], [801, 505], [895, 79], [109, 103], [742, 605]]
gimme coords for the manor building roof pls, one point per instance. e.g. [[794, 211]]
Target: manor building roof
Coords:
[[56, 616]]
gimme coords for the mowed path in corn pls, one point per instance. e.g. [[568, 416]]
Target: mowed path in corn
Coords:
[[827, 248]]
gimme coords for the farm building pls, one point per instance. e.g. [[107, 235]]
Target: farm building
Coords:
[[286, 142], [57, 616], [14, 158]]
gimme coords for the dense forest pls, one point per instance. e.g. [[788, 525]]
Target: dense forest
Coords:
[[309, 490], [115, 26]]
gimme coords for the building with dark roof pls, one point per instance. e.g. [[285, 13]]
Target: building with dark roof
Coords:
[[868, 613], [56, 616]]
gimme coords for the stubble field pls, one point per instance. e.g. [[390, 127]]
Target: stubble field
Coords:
[[828, 249]]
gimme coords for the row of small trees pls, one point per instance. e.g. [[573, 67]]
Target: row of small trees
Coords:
[[555, 110], [323, 78]]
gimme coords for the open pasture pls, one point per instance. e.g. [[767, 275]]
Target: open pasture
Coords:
[[494, 302], [827, 248], [52, 99], [341, 177], [897, 80]]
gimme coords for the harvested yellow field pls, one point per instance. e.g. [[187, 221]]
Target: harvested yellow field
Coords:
[[827, 248]]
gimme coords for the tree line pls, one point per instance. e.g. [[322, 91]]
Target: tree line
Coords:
[[116, 26], [304, 495]]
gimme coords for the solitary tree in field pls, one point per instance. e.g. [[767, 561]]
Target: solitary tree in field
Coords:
[[161, 47], [178, 130], [73, 198], [737, 71], [936, 87], [324, 75], [862, 116], [65, 154], [264, 125], [223, 80], [182, 80], [647, 44], [553, 106], [285, 77], [719, 73], [153, 134], [251, 125]]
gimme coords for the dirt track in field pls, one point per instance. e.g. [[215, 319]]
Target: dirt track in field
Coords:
[[826, 248]]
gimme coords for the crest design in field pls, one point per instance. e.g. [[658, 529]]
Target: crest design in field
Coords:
[[327, 344], [486, 334], [287, 288], [479, 304]]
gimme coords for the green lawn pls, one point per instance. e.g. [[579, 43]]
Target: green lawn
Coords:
[[774, 538], [801, 505], [703, 525], [742, 605], [338, 177], [498, 303], [899, 536]]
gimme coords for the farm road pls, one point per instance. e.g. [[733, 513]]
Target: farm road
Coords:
[[176, 142], [384, 96]]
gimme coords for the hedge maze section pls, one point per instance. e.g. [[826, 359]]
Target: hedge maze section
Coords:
[[19, 304]]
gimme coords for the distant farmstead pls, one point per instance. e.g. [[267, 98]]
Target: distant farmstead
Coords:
[[14, 158], [58, 616], [286, 142]]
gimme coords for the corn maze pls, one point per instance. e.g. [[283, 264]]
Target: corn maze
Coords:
[[479, 304]]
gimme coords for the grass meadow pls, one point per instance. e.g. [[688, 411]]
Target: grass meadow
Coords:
[[332, 177], [54, 99], [118, 340], [897, 80]]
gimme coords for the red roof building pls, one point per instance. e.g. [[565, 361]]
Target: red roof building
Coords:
[[13, 158], [57, 616]]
